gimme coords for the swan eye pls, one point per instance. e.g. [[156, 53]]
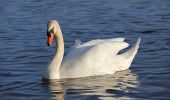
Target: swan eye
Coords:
[[49, 32]]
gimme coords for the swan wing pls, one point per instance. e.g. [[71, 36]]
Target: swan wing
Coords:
[[91, 60], [97, 41], [116, 44]]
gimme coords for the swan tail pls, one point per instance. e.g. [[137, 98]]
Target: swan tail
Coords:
[[132, 51], [128, 56]]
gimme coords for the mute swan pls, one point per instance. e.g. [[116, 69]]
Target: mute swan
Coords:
[[96, 57]]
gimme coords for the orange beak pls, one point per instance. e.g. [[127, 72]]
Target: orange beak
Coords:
[[50, 39]]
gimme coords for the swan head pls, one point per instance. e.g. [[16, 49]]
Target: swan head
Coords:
[[53, 29]]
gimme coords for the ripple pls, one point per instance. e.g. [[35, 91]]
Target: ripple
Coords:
[[24, 54]]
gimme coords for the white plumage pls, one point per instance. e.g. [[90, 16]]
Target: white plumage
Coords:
[[96, 57]]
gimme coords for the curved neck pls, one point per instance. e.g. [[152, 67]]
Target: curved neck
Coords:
[[54, 66]]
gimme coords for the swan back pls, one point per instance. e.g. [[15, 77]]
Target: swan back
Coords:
[[86, 60]]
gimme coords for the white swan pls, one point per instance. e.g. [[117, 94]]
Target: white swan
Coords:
[[96, 57]]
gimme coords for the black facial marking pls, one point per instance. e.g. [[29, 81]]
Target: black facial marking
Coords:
[[49, 32]]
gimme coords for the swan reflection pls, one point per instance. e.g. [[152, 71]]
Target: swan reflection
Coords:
[[120, 85]]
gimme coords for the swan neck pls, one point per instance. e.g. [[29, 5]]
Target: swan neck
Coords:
[[54, 67], [59, 51]]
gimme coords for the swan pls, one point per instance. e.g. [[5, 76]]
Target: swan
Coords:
[[96, 57]]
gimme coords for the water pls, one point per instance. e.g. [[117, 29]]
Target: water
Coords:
[[24, 52]]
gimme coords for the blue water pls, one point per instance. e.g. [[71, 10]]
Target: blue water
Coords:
[[24, 52]]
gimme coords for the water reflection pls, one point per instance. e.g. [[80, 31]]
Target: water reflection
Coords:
[[121, 85]]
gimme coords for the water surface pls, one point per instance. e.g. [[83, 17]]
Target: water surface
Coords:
[[24, 53]]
